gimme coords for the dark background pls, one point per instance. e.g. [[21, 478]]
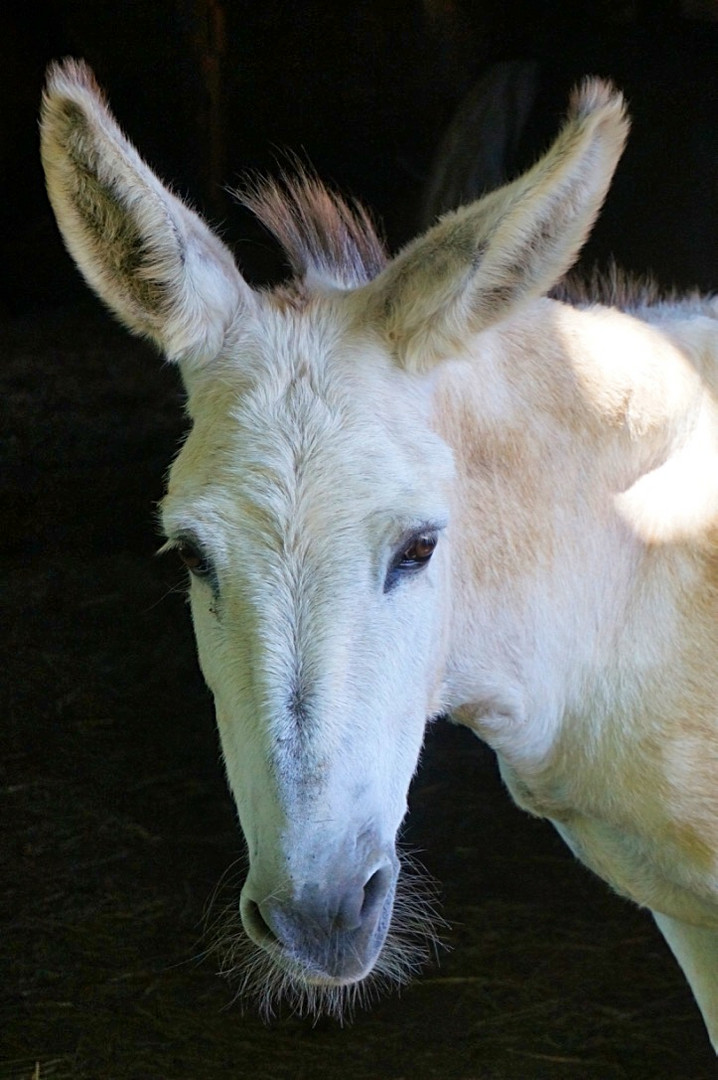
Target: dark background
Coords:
[[115, 824]]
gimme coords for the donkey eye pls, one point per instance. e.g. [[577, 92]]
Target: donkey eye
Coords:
[[193, 558], [410, 558], [419, 551]]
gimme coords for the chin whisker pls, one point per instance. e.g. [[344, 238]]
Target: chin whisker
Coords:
[[258, 981]]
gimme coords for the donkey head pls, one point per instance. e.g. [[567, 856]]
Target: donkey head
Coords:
[[311, 501]]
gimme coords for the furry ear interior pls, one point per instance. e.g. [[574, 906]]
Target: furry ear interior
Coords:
[[481, 262], [150, 258]]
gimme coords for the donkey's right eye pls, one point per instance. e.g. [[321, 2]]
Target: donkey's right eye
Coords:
[[193, 558]]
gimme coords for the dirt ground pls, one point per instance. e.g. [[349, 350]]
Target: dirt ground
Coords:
[[116, 826]]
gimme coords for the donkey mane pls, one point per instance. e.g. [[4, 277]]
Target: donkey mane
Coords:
[[327, 240], [633, 293], [333, 242]]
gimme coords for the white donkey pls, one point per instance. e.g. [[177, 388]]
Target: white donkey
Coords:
[[419, 485]]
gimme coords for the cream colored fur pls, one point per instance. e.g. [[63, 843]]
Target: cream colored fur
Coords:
[[565, 457]]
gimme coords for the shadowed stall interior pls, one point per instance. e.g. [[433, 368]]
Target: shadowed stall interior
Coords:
[[122, 860]]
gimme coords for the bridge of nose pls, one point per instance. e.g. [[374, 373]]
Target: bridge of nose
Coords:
[[337, 907]]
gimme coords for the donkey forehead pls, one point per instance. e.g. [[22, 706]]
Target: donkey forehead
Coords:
[[306, 417]]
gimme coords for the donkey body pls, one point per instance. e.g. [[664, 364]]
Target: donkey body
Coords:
[[421, 485]]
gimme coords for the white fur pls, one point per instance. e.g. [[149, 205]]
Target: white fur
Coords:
[[567, 458]]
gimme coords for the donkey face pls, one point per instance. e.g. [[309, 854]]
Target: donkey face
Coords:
[[311, 500], [308, 501]]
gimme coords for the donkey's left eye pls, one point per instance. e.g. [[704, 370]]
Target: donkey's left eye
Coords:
[[410, 558], [419, 551]]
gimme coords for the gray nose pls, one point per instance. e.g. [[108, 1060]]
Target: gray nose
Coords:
[[329, 934]]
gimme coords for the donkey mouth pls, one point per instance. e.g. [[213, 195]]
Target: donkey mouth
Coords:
[[320, 947], [340, 969]]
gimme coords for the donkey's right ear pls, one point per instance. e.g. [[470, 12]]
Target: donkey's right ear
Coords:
[[152, 260], [481, 262]]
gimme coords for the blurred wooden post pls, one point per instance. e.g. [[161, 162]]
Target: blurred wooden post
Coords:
[[207, 32]]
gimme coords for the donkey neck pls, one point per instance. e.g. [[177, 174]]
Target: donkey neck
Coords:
[[556, 418]]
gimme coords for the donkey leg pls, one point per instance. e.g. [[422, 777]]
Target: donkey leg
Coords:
[[696, 950]]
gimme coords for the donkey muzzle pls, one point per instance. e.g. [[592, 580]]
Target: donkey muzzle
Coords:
[[329, 934]]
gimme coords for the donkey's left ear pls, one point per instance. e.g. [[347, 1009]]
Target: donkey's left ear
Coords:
[[151, 259], [480, 263]]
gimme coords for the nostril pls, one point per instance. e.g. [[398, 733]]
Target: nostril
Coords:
[[256, 925], [375, 891]]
